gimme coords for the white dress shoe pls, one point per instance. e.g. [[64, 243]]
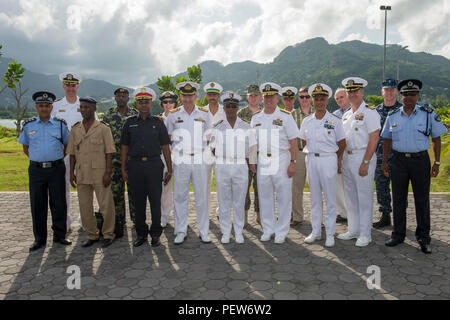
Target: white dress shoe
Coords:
[[179, 239], [347, 236], [266, 237], [363, 241], [163, 224], [225, 238], [205, 239], [329, 242], [279, 239], [312, 237], [239, 238]]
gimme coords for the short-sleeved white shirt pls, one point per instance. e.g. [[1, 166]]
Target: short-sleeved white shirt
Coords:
[[220, 115], [358, 125], [322, 135]]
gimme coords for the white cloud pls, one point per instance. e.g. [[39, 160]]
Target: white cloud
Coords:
[[132, 42]]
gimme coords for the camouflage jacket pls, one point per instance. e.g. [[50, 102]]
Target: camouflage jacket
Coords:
[[115, 121], [384, 112], [245, 114]]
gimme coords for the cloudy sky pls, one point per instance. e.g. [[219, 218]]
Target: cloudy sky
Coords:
[[133, 42]]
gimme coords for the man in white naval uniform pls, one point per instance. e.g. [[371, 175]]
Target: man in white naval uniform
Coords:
[[168, 102], [213, 91], [188, 126], [276, 134], [230, 144], [68, 108], [323, 138], [362, 128]]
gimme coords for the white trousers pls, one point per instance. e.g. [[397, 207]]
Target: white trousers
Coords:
[[358, 193], [67, 164], [232, 183], [183, 174], [208, 185], [278, 182], [166, 197], [340, 196], [322, 173]]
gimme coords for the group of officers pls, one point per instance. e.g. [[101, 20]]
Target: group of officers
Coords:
[[157, 157]]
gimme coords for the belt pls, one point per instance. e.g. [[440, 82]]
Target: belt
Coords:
[[355, 151], [410, 155], [322, 154], [49, 164], [144, 159]]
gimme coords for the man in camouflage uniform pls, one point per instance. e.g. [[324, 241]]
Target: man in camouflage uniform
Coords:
[[298, 182], [115, 118], [382, 183], [254, 98]]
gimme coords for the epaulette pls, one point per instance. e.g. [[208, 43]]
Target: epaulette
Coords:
[[245, 120], [217, 123], [159, 117], [28, 121], [175, 110], [336, 116], [106, 124], [257, 112], [57, 100], [370, 107], [282, 110], [427, 108], [203, 109], [132, 116], [393, 111], [76, 124], [62, 120]]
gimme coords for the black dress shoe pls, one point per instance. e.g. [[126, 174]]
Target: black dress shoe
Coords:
[[385, 221], [139, 242], [37, 245], [155, 242], [107, 242], [88, 243], [393, 242], [340, 219], [62, 241], [425, 247]]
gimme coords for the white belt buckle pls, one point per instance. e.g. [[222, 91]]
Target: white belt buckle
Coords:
[[46, 165]]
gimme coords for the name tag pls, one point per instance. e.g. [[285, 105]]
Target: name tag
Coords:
[[179, 121], [258, 125], [134, 125], [394, 126], [62, 110], [200, 119], [32, 132]]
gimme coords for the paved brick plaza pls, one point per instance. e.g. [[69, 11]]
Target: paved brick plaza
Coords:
[[194, 270]]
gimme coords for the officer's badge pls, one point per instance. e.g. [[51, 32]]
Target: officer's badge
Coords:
[[231, 95], [277, 122], [350, 83], [212, 85], [143, 90], [410, 84], [167, 95], [329, 125], [267, 88], [69, 77], [188, 87], [122, 90], [31, 132], [289, 93], [45, 96]]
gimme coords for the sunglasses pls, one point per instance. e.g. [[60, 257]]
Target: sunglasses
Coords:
[[168, 102], [304, 97], [412, 94]]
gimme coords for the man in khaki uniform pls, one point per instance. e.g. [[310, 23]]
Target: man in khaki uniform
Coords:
[[298, 182], [91, 147]]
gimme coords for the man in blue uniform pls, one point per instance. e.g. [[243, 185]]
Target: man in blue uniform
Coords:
[[44, 140], [143, 138], [408, 131], [382, 183]]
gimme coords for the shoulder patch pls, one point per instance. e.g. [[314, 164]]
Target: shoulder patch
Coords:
[[426, 108], [132, 116], [288, 112], [336, 116], [370, 107], [217, 123], [62, 120], [203, 109], [393, 111], [25, 122], [175, 110], [105, 123]]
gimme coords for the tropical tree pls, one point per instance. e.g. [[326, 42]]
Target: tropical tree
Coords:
[[12, 78]]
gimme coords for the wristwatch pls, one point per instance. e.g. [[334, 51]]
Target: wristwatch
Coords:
[[294, 161], [366, 161], [437, 162]]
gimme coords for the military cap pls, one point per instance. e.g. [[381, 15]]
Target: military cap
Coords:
[[168, 94], [253, 89], [121, 90], [269, 89], [188, 88], [213, 87], [70, 78], [354, 83], [44, 96], [88, 99], [288, 92], [230, 97], [320, 89], [410, 85], [144, 93], [389, 83]]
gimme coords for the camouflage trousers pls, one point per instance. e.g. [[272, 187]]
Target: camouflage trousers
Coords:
[[118, 191], [382, 185], [252, 179]]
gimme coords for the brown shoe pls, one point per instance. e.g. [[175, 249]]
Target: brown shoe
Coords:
[[340, 219], [246, 219]]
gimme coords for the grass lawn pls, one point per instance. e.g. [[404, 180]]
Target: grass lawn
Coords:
[[14, 164]]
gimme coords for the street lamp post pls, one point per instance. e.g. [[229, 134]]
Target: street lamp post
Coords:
[[385, 8], [398, 60]]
